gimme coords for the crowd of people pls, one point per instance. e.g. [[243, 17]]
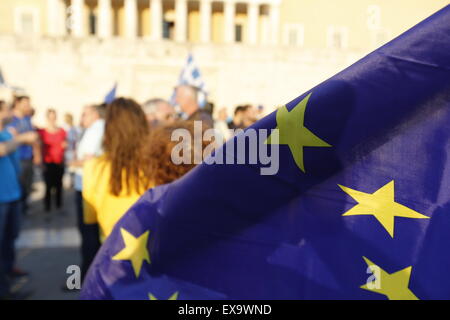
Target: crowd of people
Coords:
[[119, 150]]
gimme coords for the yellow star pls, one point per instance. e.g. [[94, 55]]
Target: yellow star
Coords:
[[135, 250], [172, 297], [292, 132], [381, 204], [394, 285]]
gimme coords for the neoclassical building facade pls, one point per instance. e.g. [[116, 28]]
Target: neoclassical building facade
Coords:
[[344, 24], [254, 21]]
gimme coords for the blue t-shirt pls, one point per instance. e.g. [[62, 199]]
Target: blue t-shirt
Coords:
[[9, 172], [22, 125]]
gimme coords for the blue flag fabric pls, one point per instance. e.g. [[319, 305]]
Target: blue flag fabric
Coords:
[[359, 209], [111, 94]]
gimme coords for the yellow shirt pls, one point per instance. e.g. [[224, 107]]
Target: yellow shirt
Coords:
[[99, 204]]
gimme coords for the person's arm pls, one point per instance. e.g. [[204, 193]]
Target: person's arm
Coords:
[[37, 153], [12, 130], [8, 147], [79, 163]]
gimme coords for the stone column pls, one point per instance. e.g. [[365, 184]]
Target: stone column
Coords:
[[131, 19], [265, 36], [205, 16], [56, 18], [274, 16], [253, 14], [78, 27], [156, 10], [61, 18], [229, 12], [104, 18], [52, 17], [181, 13]]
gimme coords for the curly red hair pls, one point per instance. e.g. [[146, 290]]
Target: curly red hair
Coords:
[[159, 151]]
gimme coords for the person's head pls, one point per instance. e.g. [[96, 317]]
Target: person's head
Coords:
[[250, 115], [51, 116], [239, 114], [187, 98], [92, 113], [260, 112], [68, 119], [126, 131], [209, 107], [5, 112], [222, 115], [158, 112], [159, 150], [22, 105]]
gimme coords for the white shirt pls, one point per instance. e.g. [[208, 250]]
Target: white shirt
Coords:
[[90, 145]]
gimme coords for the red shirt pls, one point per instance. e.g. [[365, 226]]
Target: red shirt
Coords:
[[53, 145]]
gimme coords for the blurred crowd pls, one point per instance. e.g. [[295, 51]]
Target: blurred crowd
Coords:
[[117, 152]]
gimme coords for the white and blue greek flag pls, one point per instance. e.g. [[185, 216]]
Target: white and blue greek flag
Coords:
[[190, 75]]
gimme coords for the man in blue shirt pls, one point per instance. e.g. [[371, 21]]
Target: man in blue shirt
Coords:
[[10, 195], [21, 123]]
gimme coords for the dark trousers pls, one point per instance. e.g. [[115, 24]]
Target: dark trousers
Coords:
[[10, 216], [53, 176], [90, 237], [26, 181]]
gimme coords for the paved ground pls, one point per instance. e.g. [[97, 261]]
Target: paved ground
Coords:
[[46, 247]]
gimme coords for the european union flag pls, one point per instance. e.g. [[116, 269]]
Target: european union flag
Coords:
[[359, 208]]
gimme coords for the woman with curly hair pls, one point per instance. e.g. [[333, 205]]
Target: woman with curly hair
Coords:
[[160, 148], [113, 182], [134, 160]]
